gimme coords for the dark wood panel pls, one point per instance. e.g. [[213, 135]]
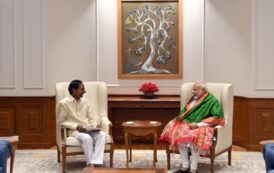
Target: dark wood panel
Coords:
[[123, 114], [32, 119], [7, 120], [261, 121], [253, 121], [135, 107], [240, 121]]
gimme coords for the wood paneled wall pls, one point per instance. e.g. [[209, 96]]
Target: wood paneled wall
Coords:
[[126, 108], [253, 121], [33, 118]]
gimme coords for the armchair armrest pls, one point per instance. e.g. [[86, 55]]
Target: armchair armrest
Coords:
[[63, 135], [218, 127], [223, 139], [106, 125]]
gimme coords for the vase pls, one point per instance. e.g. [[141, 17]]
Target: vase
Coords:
[[149, 95]]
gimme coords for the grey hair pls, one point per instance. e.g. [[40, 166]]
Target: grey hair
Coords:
[[202, 84]]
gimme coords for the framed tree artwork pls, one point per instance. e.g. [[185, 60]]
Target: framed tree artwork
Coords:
[[149, 39]]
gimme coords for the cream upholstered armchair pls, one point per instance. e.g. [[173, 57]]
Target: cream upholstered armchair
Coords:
[[96, 94], [223, 135]]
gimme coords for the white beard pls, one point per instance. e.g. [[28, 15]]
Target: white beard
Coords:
[[196, 97]]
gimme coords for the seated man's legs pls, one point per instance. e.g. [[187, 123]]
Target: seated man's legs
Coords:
[[188, 162], [87, 145], [183, 149], [93, 145], [184, 159], [99, 147], [194, 158]]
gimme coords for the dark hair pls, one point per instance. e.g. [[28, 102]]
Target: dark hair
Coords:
[[75, 84]]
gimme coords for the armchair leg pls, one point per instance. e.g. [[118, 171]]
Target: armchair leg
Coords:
[[58, 155], [212, 157], [63, 159], [229, 156], [12, 161], [111, 155], [212, 164], [168, 157]]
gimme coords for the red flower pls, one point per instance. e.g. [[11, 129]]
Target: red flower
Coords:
[[149, 87]]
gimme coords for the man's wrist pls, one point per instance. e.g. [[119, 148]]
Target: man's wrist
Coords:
[[203, 124]]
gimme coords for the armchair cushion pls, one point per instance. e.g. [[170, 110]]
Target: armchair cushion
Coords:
[[72, 141]]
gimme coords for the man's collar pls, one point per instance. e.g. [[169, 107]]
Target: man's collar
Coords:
[[71, 98]]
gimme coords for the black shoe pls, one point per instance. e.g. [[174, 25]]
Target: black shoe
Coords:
[[180, 171]]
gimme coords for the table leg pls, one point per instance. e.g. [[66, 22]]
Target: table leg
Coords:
[[130, 148], [126, 142], [12, 161], [155, 149]]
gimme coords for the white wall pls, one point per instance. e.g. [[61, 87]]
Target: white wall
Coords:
[[239, 43], [46, 41], [107, 48], [262, 80], [23, 64], [227, 43], [71, 41]]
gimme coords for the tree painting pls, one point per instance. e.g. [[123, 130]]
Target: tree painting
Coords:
[[150, 38]]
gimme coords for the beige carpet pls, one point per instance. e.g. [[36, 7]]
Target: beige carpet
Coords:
[[44, 161]]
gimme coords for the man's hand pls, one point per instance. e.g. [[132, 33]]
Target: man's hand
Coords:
[[193, 125], [98, 126], [81, 128]]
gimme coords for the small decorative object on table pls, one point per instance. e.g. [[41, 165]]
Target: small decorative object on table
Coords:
[[149, 89]]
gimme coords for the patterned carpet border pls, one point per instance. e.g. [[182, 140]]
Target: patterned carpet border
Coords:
[[45, 161]]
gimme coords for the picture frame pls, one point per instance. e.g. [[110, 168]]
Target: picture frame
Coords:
[[150, 39]]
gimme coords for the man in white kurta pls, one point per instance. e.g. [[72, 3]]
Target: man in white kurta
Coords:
[[76, 115]]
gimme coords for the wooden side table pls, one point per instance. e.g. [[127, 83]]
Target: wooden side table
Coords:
[[14, 141], [141, 128]]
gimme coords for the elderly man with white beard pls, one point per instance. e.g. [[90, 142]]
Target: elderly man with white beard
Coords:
[[192, 130]]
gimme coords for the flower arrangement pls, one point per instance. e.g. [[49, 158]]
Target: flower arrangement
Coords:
[[149, 87]]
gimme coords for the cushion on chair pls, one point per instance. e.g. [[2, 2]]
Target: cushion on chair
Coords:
[[269, 156], [76, 144], [5, 152], [72, 149], [71, 141]]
